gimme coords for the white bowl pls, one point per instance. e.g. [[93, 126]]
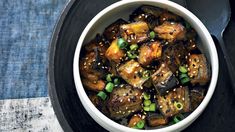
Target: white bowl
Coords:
[[123, 9]]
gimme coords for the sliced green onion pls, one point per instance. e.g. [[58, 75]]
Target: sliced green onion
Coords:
[[146, 96], [178, 105], [134, 47], [109, 87], [109, 77], [178, 118], [183, 76], [131, 55], [183, 69], [140, 124], [185, 80], [152, 34], [102, 95], [122, 44], [116, 81], [152, 107], [147, 102], [146, 74], [146, 108], [187, 25]]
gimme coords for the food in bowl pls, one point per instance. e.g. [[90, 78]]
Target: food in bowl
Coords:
[[146, 72]]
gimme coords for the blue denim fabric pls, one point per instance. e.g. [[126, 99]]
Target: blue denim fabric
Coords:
[[26, 27]]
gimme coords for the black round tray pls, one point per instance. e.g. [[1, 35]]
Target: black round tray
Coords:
[[218, 116]]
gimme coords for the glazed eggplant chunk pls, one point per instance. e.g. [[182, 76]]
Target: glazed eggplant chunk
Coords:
[[132, 73], [149, 53], [155, 119], [148, 72], [124, 100], [170, 31], [91, 67], [199, 71], [148, 15], [176, 101], [135, 32], [196, 96], [164, 80], [112, 31], [114, 53], [174, 56]]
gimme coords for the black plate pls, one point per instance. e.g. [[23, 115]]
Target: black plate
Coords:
[[218, 116]]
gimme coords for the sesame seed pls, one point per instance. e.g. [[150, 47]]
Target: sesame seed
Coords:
[[160, 106]]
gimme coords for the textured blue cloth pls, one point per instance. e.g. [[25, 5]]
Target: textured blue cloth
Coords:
[[26, 28]]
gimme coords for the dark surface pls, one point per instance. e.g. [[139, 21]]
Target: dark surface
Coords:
[[216, 20], [218, 116]]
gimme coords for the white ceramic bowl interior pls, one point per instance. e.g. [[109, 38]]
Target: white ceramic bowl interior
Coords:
[[123, 9]]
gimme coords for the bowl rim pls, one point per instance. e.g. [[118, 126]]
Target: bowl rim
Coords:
[[109, 124]]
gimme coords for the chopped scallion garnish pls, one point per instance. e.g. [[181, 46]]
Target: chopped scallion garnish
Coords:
[[146, 74], [131, 55], [109, 77], [152, 107], [146, 108], [146, 96], [183, 76], [109, 87], [152, 34], [185, 80], [134, 47], [102, 95], [116, 81], [147, 102], [140, 124], [178, 105], [183, 69], [122, 44], [178, 118]]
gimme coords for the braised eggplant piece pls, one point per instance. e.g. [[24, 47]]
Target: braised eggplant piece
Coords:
[[113, 30], [171, 31], [199, 70], [155, 119], [124, 100], [167, 16], [168, 104], [135, 32], [146, 14], [164, 80], [196, 97], [114, 53], [191, 45], [90, 73], [149, 52], [132, 73], [174, 56], [145, 73]]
